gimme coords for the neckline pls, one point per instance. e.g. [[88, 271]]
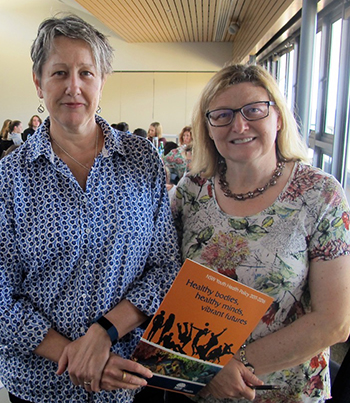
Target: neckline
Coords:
[[286, 186]]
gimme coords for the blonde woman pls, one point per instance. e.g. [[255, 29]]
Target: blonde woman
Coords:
[[255, 210], [155, 132]]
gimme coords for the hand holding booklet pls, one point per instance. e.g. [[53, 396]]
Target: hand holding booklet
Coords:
[[201, 323]]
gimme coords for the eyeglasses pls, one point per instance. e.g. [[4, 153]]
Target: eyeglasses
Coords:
[[254, 111]]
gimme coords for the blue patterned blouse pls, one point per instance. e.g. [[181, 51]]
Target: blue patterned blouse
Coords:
[[68, 255]]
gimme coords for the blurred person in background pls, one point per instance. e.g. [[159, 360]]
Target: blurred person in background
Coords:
[[5, 143], [155, 133], [122, 127], [15, 134], [140, 132], [179, 159], [34, 123], [5, 129]]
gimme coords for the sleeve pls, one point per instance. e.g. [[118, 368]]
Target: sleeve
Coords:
[[22, 326], [331, 236], [163, 261]]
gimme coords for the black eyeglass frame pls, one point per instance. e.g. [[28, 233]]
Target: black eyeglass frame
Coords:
[[240, 110]]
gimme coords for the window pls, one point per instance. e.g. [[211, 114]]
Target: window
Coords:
[[326, 163], [290, 77], [315, 81], [328, 109], [281, 75], [333, 76], [285, 74]]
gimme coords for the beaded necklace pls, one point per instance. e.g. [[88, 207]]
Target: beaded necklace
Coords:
[[251, 194]]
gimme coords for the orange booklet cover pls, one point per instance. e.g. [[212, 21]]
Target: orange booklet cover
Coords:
[[203, 320]]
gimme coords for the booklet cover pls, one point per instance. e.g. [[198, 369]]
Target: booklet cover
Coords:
[[203, 320]]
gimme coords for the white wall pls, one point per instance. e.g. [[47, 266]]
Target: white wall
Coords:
[[141, 98], [166, 93]]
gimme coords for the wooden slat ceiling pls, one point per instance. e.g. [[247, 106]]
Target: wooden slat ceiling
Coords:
[[195, 20]]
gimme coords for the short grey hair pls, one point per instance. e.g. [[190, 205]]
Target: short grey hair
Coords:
[[71, 26]]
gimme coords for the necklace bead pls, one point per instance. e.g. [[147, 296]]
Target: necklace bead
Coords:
[[251, 194]]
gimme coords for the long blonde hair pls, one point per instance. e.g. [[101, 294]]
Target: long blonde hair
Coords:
[[5, 130], [158, 129], [289, 144]]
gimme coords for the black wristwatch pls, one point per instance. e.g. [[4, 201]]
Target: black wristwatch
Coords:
[[109, 328]]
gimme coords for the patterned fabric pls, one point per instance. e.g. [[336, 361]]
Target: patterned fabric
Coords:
[[67, 256], [270, 251], [176, 162]]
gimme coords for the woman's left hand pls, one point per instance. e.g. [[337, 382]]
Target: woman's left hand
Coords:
[[232, 382], [86, 358]]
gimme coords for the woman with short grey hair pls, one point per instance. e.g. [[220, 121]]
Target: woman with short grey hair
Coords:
[[90, 248], [74, 28]]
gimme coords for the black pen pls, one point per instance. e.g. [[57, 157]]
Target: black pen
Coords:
[[266, 387]]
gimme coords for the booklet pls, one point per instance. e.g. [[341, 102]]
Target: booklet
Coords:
[[202, 322]]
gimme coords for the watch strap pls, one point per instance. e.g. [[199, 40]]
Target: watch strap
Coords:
[[109, 328]]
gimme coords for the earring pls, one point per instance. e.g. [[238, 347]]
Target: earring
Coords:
[[99, 109], [41, 108]]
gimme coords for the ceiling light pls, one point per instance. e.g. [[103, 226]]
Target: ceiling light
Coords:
[[233, 28]]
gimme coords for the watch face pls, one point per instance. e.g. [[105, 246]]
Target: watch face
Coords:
[[109, 327]]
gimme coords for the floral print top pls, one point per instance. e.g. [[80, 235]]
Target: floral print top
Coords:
[[177, 163], [270, 251]]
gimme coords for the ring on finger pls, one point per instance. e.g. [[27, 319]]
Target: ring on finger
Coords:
[[87, 383], [124, 376]]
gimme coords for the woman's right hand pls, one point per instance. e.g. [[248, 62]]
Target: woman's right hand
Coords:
[[86, 358], [232, 382], [120, 373]]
